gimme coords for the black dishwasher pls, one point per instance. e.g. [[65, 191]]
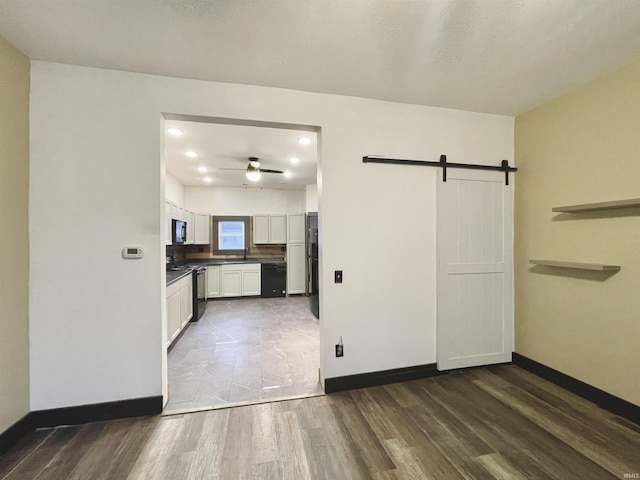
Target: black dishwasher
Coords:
[[274, 280]]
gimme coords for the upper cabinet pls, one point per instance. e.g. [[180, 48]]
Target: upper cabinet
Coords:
[[269, 229], [260, 229], [190, 218], [167, 223], [296, 228], [198, 224], [202, 229]]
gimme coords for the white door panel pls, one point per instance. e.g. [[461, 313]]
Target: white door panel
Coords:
[[475, 274]]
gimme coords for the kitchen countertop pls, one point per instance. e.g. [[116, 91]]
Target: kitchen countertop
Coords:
[[227, 261], [186, 266], [175, 275]]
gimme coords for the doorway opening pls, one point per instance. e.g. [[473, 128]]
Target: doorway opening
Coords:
[[254, 187]]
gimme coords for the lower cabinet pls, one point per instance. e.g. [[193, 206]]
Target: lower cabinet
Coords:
[[296, 257], [179, 307], [186, 301], [173, 312], [231, 283], [251, 283], [240, 280], [213, 281]]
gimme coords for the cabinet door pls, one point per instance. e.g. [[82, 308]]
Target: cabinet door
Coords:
[[231, 283], [202, 229], [295, 228], [295, 268], [260, 229], [277, 229], [251, 282], [167, 223], [173, 317], [186, 302], [190, 218], [213, 281]]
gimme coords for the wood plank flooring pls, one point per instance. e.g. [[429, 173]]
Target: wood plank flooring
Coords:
[[494, 422]]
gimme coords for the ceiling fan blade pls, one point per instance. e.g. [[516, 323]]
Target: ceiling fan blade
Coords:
[[264, 170]]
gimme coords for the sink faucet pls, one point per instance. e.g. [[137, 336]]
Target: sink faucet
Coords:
[[246, 250]]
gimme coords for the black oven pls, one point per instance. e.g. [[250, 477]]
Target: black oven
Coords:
[[199, 292]]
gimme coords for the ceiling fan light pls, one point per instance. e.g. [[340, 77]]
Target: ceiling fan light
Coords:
[[253, 173]]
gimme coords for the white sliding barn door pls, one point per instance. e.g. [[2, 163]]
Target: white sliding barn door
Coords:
[[475, 269]]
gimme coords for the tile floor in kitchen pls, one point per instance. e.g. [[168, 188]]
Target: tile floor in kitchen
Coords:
[[245, 350]]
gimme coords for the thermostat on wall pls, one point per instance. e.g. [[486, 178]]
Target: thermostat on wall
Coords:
[[132, 252]]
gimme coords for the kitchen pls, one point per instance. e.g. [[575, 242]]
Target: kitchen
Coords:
[[240, 200]]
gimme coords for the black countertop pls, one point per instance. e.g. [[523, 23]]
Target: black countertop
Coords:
[[185, 267], [175, 275], [227, 261]]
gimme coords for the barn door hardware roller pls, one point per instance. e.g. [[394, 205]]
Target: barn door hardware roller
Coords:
[[442, 163]]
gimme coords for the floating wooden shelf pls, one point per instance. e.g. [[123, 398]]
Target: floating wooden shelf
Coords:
[[598, 267], [592, 207]]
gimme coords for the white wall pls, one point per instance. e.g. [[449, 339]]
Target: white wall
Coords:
[[100, 340], [240, 201], [173, 190], [311, 198]]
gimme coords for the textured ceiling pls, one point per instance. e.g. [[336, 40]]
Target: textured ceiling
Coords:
[[497, 56]]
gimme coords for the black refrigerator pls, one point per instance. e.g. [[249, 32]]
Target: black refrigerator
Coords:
[[313, 285]]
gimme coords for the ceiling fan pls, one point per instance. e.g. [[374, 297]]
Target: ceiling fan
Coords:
[[254, 172]]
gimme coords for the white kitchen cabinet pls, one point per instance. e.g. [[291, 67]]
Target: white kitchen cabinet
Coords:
[[167, 223], [296, 228], [296, 253], [186, 300], [213, 281], [295, 268], [251, 282], [190, 218], [241, 279], [176, 212], [278, 229], [260, 229], [202, 229], [270, 229], [231, 282], [179, 306], [173, 311]]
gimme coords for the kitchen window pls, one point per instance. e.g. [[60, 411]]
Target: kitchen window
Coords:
[[231, 235]]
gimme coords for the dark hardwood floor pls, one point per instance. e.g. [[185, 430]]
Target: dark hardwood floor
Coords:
[[494, 422]]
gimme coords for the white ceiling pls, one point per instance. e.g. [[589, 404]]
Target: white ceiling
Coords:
[[495, 56], [220, 147], [492, 56]]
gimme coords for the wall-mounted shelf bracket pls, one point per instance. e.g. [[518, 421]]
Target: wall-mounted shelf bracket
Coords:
[[442, 163]]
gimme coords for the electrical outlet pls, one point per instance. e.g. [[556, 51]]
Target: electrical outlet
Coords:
[[339, 350]]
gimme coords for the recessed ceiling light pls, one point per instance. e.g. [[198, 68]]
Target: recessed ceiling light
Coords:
[[191, 154], [202, 169], [176, 132], [207, 179], [304, 140], [287, 174], [294, 160]]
